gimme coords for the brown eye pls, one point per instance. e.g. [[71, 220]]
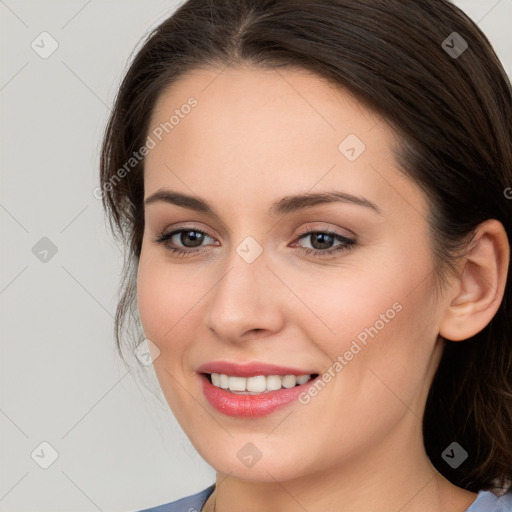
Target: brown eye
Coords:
[[324, 242], [191, 238], [184, 240], [321, 240]]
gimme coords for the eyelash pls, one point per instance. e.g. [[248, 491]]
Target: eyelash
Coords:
[[346, 243]]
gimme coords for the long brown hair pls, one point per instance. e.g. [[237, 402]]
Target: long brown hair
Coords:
[[429, 71]]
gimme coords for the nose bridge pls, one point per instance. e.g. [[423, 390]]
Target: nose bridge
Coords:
[[243, 299]]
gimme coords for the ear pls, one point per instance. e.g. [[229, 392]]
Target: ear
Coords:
[[480, 285]]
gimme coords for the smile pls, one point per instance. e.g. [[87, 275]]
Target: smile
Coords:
[[252, 389], [257, 384]]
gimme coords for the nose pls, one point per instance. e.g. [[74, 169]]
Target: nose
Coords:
[[246, 301]]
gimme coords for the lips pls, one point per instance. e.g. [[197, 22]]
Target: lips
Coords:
[[251, 369], [243, 403]]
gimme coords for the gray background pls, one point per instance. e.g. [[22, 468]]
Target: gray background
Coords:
[[119, 447]]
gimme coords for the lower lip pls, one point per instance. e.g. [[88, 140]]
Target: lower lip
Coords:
[[250, 406]]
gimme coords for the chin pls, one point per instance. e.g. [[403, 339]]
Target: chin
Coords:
[[256, 462]]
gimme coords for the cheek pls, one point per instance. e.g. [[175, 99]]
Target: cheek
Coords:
[[352, 305], [151, 301], [385, 298], [164, 298], [376, 323]]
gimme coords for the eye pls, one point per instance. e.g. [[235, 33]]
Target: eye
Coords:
[[323, 242], [183, 241]]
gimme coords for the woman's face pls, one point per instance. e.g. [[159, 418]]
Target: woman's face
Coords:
[[353, 301]]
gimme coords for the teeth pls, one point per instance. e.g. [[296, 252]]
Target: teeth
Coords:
[[223, 381], [289, 381], [273, 382], [215, 379], [302, 379], [237, 383], [257, 384]]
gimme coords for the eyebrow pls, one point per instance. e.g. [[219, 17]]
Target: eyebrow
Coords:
[[283, 206]]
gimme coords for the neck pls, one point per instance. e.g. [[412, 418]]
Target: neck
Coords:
[[395, 475]]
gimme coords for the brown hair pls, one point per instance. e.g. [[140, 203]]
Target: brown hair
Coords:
[[452, 113]]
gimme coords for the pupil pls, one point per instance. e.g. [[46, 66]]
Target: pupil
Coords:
[[195, 237], [322, 241]]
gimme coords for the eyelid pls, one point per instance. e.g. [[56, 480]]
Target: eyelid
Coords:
[[185, 227], [323, 229]]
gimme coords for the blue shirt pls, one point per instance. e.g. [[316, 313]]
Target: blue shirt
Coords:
[[486, 501]]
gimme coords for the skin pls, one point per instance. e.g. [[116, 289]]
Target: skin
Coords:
[[255, 137]]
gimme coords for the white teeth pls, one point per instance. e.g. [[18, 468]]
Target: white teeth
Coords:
[[223, 381], [289, 381], [302, 379], [258, 383], [273, 382], [216, 379], [237, 383]]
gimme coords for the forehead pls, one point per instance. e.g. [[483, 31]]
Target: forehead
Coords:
[[262, 102], [267, 132]]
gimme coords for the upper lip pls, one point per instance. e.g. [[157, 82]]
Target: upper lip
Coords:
[[250, 369]]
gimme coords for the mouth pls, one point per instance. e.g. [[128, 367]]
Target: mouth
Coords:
[[256, 395], [252, 389]]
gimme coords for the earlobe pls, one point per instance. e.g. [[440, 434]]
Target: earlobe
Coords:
[[481, 283]]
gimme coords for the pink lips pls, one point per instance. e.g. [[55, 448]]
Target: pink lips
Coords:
[[233, 404], [250, 369]]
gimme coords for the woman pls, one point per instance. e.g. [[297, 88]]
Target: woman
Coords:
[[313, 196]]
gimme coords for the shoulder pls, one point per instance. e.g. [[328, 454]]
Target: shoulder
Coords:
[[193, 503], [487, 501]]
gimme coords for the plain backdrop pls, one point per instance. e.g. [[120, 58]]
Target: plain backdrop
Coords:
[[64, 394]]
